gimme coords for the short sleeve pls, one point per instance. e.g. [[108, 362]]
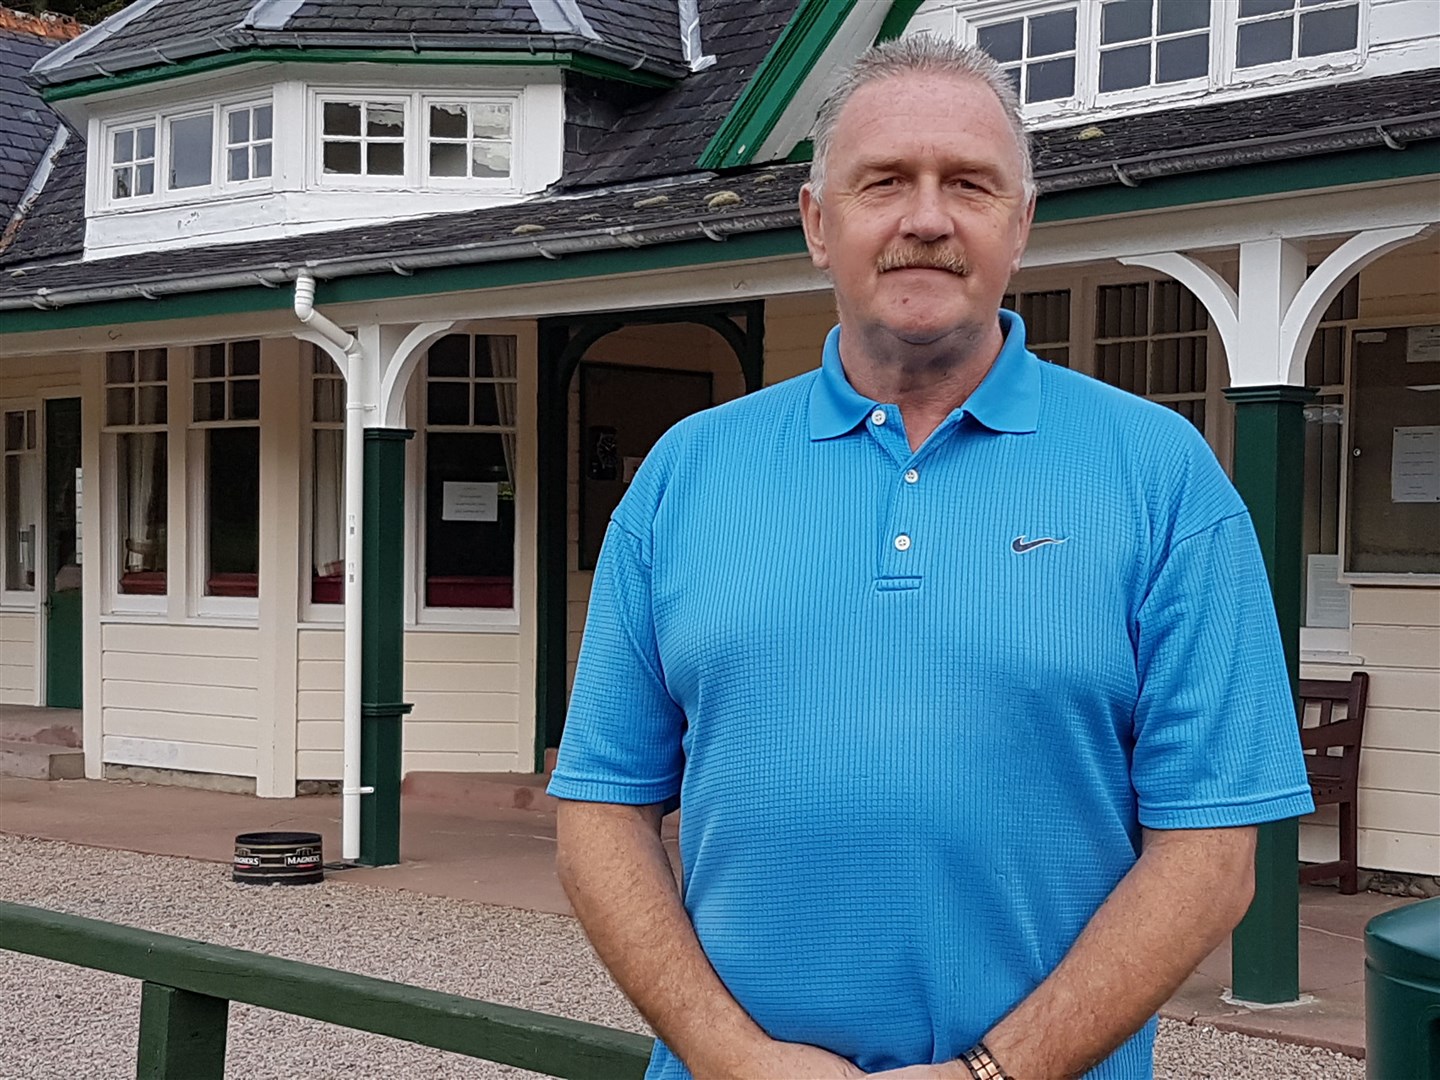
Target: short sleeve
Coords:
[[622, 740], [1216, 739]]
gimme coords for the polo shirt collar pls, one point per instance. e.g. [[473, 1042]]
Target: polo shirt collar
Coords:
[[1007, 399]]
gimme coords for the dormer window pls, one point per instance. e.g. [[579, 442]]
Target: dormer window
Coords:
[[363, 138], [192, 151], [132, 158], [1037, 52], [470, 139], [1142, 44], [1277, 31], [249, 142]]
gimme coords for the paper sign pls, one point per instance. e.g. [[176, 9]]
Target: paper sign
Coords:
[[79, 516], [1415, 465], [469, 502], [1422, 345], [1327, 602]]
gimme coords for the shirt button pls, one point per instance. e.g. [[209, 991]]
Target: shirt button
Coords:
[[911, 476], [902, 542], [877, 417]]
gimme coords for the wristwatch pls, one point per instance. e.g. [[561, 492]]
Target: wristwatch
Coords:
[[982, 1064]]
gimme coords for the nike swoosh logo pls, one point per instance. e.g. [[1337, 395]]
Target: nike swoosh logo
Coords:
[[1020, 545]]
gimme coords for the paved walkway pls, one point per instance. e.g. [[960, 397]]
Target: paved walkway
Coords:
[[483, 848]]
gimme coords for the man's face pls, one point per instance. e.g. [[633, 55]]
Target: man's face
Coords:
[[924, 215]]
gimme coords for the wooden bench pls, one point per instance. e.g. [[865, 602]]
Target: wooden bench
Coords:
[[1332, 761]]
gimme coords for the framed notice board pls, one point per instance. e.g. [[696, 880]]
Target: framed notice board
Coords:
[[623, 412]]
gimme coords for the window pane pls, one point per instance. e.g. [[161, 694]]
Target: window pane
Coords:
[[262, 160], [209, 401], [329, 401], [124, 146], [209, 361], [384, 120], [486, 410], [145, 142], [190, 152], [120, 406], [385, 159], [342, 118], [447, 159], [1264, 7], [484, 369], [1003, 41], [239, 167], [144, 179], [447, 403], [1263, 43], [469, 563], [140, 510], [490, 121], [1182, 58], [232, 490], [1052, 33], [327, 512], [447, 121], [1177, 15], [238, 126], [342, 157], [1328, 31], [263, 121], [1121, 69], [450, 357], [22, 503], [1124, 20], [245, 357], [121, 187], [152, 365], [245, 399], [15, 431], [120, 367], [490, 159], [1051, 80], [152, 405]]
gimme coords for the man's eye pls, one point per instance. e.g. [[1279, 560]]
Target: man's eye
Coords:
[[884, 182]]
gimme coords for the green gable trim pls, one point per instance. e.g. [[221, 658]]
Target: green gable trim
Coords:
[[387, 286], [775, 82], [901, 12], [579, 62]]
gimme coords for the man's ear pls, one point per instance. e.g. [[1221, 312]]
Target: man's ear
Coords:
[[814, 229]]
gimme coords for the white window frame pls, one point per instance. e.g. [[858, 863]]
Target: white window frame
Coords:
[[1222, 72], [310, 611], [1155, 90], [437, 617], [115, 601], [416, 174], [202, 605], [162, 119], [252, 182], [134, 125], [27, 600]]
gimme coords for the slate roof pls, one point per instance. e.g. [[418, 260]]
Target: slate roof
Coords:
[[55, 224], [26, 123], [639, 33], [666, 135]]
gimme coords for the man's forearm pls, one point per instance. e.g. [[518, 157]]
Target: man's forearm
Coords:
[[619, 881], [1186, 892]]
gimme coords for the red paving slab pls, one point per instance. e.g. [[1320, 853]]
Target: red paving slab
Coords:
[[473, 840]]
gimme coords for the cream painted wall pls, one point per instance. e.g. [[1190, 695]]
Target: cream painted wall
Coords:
[[17, 658]]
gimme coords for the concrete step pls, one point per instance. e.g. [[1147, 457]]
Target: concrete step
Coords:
[[52, 727], [37, 761]]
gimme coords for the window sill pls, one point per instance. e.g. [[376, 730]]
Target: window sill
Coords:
[[1324, 656]]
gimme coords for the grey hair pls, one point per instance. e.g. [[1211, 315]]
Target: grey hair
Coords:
[[923, 54]]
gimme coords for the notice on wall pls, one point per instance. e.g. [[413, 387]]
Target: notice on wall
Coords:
[[79, 516], [1415, 465], [1422, 345], [469, 501], [1327, 602]]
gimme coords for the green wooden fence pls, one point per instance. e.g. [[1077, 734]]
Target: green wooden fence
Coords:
[[187, 987]]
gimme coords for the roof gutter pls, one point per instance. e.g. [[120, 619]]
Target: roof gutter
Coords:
[[407, 262]]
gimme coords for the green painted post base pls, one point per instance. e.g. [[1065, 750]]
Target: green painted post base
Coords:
[[1269, 467], [382, 633], [182, 1034]]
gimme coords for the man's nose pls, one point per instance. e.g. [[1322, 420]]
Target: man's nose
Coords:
[[926, 218]]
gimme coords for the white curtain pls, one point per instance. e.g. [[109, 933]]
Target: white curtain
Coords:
[[144, 479], [502, 364], [327, 538]]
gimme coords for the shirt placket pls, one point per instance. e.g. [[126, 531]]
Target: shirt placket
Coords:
[[902, 553]]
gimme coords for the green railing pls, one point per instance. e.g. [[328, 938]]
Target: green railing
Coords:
[[187, 987]]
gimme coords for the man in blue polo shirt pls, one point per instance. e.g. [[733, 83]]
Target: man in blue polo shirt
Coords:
[[962, 667]]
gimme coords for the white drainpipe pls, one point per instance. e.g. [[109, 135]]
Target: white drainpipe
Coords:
[[355, 408]]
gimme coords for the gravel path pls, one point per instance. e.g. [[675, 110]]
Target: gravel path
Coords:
[[59, 1022]]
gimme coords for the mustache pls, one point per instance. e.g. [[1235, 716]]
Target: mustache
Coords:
[[924, 257]]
